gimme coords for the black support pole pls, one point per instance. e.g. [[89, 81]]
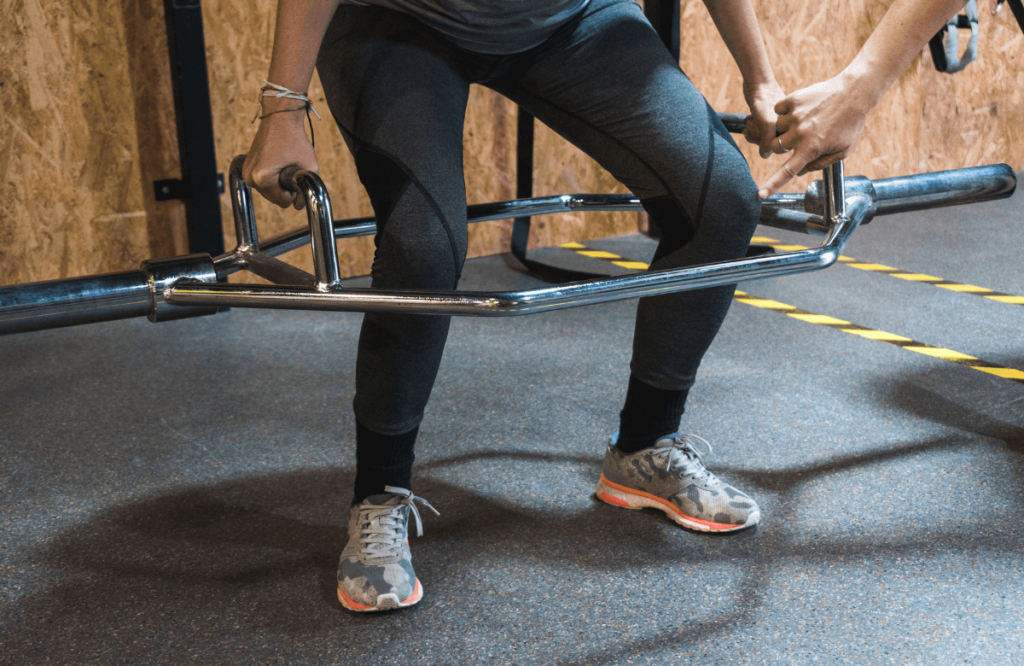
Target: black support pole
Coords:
[[524, 178], [200, 189]]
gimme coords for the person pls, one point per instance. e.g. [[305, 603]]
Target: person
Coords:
[[822, 123], [396, 75]]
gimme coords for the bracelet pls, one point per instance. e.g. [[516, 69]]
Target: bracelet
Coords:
[[273, 90]]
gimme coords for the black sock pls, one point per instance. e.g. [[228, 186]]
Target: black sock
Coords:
[[382, 460], [649, 414]]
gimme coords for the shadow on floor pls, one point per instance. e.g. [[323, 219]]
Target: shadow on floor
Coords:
[[249, 564], [242, 558]]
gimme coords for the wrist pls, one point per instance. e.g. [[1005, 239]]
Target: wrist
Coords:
[[755, 86], [279, 111], [862, 84]]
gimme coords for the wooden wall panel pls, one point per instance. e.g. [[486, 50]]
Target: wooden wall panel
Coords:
[[70, 188], [87, 125]]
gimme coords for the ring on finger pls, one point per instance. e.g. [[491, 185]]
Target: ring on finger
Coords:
[[782, 147]]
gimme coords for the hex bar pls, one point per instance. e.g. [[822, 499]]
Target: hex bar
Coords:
[[503, 304], [58, 303], [277, 271]]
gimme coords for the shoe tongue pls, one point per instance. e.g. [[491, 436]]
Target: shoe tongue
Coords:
[[383, 499]]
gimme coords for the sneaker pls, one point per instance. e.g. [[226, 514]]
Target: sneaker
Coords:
[[672, 477], [375, 570]]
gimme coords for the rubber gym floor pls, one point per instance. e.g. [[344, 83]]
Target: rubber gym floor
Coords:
[[177, 493]]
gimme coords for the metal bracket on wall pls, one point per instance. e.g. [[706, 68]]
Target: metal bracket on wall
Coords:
[[171, 189], [175, 188]]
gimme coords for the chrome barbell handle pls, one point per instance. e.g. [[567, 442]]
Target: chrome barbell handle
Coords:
[[321, 224]]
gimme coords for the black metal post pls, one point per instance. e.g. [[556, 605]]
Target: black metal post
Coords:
[[524, 179], [200, 184]]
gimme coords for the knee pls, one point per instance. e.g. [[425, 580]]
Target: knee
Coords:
[[747, 211], [721, 224], [427, 259], [421, 227], [732, 193]]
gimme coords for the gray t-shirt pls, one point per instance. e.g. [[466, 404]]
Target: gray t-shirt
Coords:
[[495, 27]]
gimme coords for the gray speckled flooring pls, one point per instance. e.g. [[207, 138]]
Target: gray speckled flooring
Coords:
[[175, 493]]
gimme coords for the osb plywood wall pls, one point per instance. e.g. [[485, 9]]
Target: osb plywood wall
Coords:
[[87, 125]]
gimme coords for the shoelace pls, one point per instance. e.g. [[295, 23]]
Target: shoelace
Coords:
[[381, 526], [684, 456]]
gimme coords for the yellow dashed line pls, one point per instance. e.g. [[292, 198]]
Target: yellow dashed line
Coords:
[[965, 288], [609, 256], [1006, 373], [632, 265], [598, 254], [825, 320], [880, 268], [890, 338], [871, 334], [916, 277], [939, 352], [765, 303], [903, 275], [845, 326]]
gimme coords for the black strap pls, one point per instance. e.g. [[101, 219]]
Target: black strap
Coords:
[[937, 43], [938, 49], [938, 46]]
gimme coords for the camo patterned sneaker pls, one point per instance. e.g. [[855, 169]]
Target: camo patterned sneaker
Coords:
[[375, 570], [672, 477]]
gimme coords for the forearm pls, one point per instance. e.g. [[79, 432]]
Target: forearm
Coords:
[[737, 23], [903, 32], [300, 29]]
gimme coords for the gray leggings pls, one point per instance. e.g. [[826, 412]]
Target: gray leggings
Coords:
[[604, 81]]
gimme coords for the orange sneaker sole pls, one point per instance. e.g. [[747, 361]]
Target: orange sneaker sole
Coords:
[[385, 602], [630, 498]]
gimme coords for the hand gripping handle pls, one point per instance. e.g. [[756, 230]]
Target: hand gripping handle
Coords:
[[286, 179]]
